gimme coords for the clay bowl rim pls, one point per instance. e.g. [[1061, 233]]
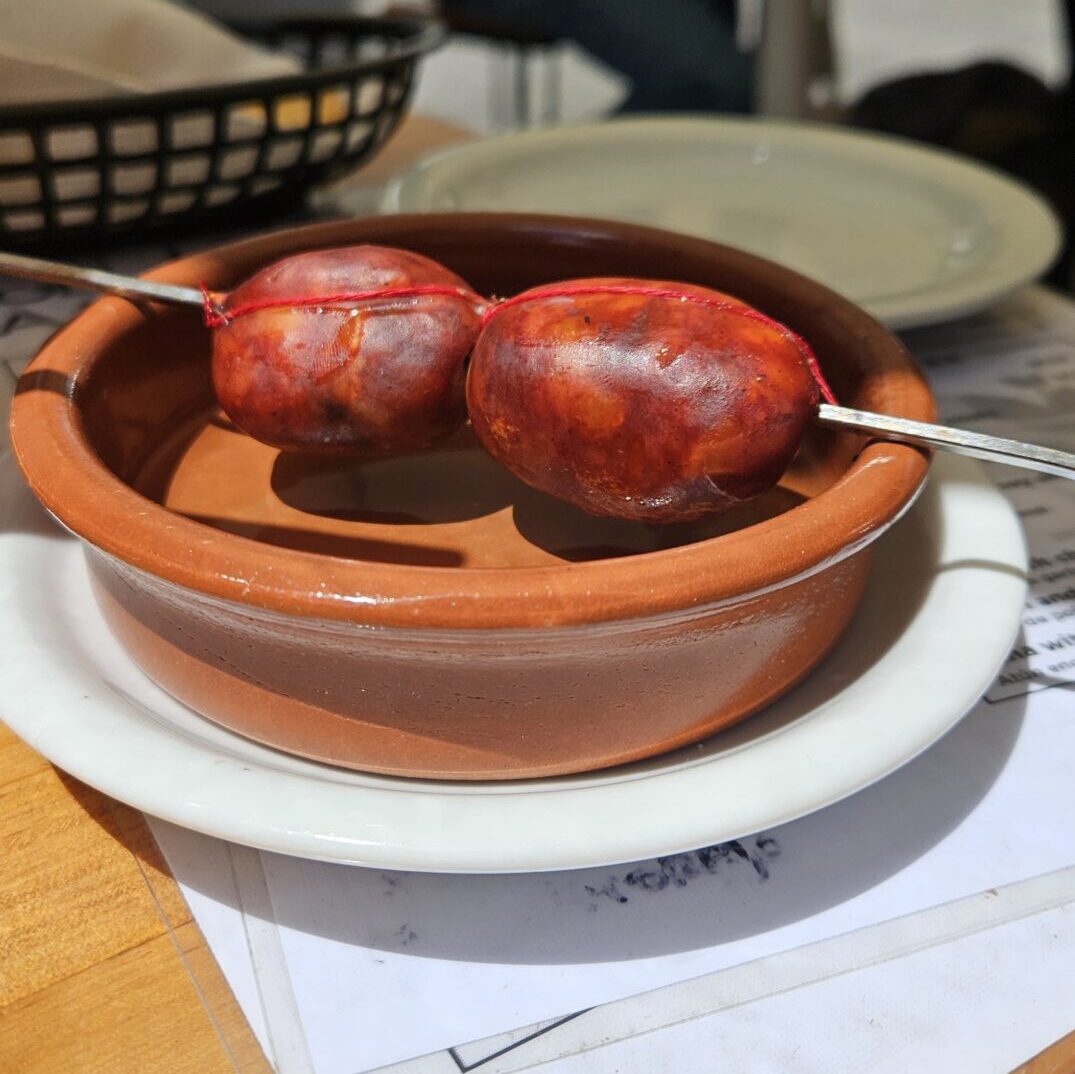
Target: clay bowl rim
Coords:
[[76, 486]]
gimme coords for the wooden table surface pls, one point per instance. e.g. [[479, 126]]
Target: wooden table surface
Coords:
[[101, 965], [102, 968]]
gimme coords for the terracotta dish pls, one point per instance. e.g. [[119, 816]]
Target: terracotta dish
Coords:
[[429, 615]]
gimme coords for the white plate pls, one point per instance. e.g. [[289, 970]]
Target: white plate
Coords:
[[940, 613], [913, 234]]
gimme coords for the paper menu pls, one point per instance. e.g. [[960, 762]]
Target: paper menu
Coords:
[[1011, 371], [1011, 366], [1044, 656], [972, 986]]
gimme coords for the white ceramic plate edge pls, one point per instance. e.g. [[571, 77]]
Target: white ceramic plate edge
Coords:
[[73, 695]]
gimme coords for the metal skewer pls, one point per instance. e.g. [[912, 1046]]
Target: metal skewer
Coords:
[[902, 430], [959, 441], [88, 279]]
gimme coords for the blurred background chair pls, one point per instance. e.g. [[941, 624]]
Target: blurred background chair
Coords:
[[682, 55], [531, 50]]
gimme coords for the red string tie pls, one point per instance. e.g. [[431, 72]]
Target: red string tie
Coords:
[[217, 314], [570, 290]]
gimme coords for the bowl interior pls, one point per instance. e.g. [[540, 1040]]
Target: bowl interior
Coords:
[[148, 412], [116, 416], [450, 507]]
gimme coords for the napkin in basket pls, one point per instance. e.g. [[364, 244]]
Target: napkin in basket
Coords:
[[69, 49]]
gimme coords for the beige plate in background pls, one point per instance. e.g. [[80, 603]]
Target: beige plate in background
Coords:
[[913, 234]]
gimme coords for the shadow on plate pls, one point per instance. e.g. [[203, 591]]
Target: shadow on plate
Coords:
[[671, 905]]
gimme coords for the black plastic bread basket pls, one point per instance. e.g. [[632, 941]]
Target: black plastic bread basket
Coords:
[[72, 172]]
